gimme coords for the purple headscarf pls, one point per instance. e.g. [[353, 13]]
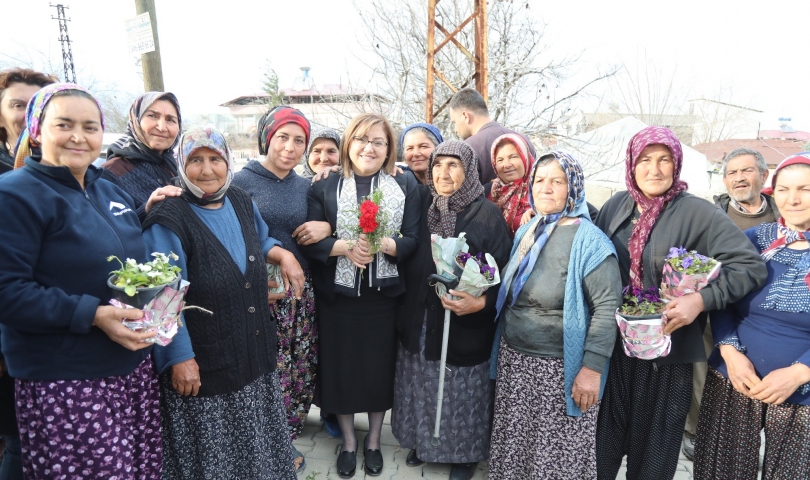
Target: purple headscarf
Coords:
[[650, 207]]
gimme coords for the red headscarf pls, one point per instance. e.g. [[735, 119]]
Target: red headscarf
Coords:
[[650, 207], [275, 119], [512, 198]]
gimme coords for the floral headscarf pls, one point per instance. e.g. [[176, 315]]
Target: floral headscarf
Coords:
[[133, 145], [442, 213], [536, 234], [512, 198], [33, 118], [195, 139], [651, 207]]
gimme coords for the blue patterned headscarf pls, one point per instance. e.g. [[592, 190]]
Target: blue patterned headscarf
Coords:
[[531, 239]]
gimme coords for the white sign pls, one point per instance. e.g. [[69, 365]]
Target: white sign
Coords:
[[139, 35]]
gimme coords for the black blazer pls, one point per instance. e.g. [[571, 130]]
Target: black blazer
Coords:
[[322, 207], [470, 341]]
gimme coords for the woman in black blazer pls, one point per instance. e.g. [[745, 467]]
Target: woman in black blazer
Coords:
[[356, 289]]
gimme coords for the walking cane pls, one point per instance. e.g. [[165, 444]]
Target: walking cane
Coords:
[[450, 283]]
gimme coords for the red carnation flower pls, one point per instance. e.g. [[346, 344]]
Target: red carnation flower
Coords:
[[368, 216]]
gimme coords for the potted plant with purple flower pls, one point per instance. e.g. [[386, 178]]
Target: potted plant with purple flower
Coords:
[[687, 272], [641, 323]]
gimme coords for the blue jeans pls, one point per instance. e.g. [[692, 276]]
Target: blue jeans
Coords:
[[11, 468]]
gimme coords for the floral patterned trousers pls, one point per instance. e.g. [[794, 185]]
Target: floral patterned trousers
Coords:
[[297, 354]]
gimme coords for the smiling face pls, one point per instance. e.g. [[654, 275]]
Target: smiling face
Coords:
[[160, 125], [508, 164], [13, 102], [655, 170], [366, 158], [71, 134], [286, 148], [417, 148], [743, 179], [207, 170], [323, 154], [792, 196], [550, 188], [448, 175]]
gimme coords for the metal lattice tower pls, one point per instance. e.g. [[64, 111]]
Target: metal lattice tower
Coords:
[[64, 39], [478, 58]]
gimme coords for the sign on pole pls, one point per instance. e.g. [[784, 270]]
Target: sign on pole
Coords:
[[139, 35]]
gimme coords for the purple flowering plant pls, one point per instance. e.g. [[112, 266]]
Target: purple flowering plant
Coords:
[[689, 262], [638, 302], [484, 269]]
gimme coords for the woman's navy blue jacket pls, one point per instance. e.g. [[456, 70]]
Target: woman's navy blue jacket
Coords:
[[55, 238]]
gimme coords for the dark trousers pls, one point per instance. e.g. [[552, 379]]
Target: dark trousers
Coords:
[[642, 415]]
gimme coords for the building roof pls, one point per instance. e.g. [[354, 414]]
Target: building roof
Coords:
[[725, 104], [773, 150], [329, 93], [783, 134]]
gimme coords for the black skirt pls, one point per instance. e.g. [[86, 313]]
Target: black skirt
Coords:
[[357, 352]]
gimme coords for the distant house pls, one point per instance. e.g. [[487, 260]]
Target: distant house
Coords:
[[328, 105], [773, 150], [785, 132]]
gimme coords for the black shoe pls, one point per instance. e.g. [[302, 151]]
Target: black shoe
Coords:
[[346, 464], [373, 463], [463, 471], [412, 460]]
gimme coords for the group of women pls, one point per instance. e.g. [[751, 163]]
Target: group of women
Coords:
[[357, 327]]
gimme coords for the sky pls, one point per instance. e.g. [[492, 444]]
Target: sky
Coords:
[[214, 51]]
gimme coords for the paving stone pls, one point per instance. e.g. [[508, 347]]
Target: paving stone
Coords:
[[682, 475], [321, 452], [408, 473], [325, 449], [315, 465]]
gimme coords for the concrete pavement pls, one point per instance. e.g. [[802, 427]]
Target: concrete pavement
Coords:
[[321, 452]]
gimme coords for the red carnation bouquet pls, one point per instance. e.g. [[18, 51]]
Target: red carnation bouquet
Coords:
[[373, 221]]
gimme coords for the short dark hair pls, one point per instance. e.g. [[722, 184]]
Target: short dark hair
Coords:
[[469, 99], [22, 75]]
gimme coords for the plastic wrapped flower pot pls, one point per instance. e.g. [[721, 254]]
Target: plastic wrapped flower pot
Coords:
[[687, 272], [142, 296], [641, 324]]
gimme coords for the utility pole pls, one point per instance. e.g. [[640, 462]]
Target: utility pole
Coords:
[[150, 62], [64, 39]]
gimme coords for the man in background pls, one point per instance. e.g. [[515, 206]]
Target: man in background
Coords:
[[469, 114]]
